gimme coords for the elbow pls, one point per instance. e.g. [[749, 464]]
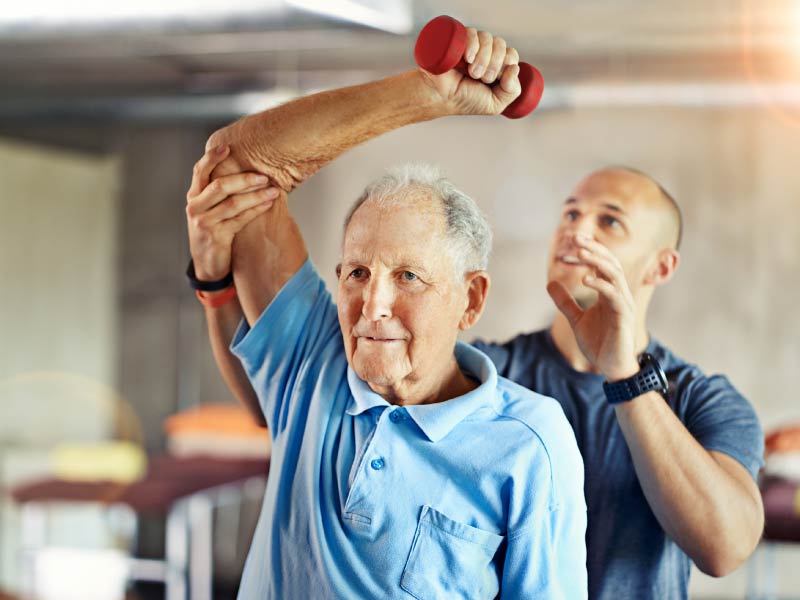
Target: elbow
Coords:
[[734, 541], [728, 554], [720, 566]]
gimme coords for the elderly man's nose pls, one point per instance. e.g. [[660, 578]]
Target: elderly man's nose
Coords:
[[378, 299]]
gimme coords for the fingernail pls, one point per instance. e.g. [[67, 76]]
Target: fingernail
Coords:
[[261, 179], [588, 279], [477, 73], [491, 75], [221, 149], [271, 192]]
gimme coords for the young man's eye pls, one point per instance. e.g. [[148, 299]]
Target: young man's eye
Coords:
[[610, 221], [571, 215]]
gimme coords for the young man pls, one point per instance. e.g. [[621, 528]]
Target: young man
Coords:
[[670, 478]]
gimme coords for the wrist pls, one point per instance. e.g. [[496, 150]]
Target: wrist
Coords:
[[198, 282], [428, 100], [624, 370], [216, 299]]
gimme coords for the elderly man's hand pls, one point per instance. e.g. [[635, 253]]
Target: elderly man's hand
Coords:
[[217, 211], [492, 79]]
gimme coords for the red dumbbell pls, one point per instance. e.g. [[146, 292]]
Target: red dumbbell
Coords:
[[440, 47]]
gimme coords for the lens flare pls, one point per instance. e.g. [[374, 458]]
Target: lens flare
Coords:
[[784, 108]]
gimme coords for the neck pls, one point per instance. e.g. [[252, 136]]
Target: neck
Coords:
[[566, 343], [425, 391]]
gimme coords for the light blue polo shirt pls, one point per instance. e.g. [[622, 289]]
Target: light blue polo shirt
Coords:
[[475, 497]]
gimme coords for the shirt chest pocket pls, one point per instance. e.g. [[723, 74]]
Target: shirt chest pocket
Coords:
[[450, 560]]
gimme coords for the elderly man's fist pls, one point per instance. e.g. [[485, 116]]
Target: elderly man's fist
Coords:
[[484, 78], [445, 44]]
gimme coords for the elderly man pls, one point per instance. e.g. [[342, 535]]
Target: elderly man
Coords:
[[402, 465], [671, 454]]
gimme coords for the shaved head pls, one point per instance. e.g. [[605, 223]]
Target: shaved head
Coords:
[[672, 230]]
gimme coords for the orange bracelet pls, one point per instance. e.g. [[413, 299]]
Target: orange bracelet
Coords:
[[219, 300]]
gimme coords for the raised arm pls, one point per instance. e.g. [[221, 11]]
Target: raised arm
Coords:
[[705, 500], [291, 142]]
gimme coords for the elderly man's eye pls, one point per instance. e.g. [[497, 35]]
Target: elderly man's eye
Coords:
[[409, 276], [357, 273]]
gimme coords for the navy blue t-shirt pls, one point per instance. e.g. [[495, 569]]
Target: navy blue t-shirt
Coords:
[[628, 553]]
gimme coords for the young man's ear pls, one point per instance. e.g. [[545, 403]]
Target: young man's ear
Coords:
[[478, 283], [664, 268]]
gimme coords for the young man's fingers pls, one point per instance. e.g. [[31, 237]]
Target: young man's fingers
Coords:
[[564, 301], [607, 268], [202, 169], [606, 290]]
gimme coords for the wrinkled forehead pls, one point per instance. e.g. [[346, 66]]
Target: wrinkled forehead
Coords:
[[411, 223]]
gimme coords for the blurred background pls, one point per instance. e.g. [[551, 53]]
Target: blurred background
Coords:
[[109, 396]]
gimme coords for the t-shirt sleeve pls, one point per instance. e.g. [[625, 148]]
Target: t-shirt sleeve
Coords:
[[289, 342], [721, 419]]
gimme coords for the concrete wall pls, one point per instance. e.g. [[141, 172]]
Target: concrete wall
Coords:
[[58, 317]]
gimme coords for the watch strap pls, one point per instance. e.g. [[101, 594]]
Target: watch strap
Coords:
[[650, 378], [217, 300], [207, 286]]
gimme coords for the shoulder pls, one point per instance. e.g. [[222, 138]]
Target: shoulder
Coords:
[[521, 342], [534, 411], [541, 415], [543, 427], [515, 354], [689, 382]]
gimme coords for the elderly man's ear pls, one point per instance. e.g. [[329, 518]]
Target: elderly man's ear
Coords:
[[477, 283]]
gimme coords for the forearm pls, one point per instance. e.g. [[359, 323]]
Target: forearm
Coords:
[[293, 141], [222, 324], [707, 511]]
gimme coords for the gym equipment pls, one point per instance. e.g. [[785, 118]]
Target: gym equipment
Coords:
[[440, 47]]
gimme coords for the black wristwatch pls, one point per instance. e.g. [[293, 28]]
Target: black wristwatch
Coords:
[[207, 286], [650, 378]]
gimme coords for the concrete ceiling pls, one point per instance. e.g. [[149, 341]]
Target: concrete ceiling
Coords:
[[572, 41]]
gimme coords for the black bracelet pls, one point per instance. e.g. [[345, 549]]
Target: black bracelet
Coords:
[[207, 286]]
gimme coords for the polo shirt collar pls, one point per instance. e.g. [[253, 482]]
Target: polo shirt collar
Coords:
[[439, 419]]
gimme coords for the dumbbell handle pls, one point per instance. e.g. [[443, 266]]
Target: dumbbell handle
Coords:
[[440, 48]]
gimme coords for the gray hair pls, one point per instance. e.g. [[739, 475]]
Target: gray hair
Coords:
[[467, 228]]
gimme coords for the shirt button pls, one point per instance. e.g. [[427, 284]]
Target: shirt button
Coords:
[[377, 464], [396, 416]]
